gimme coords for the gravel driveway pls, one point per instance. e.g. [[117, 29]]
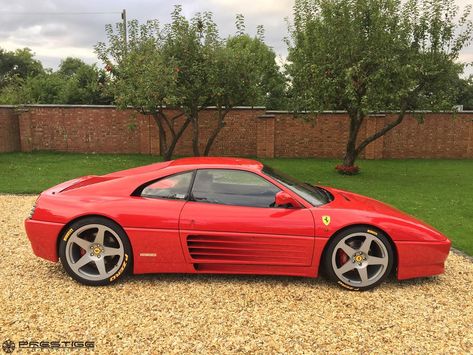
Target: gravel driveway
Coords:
[[226, 314]]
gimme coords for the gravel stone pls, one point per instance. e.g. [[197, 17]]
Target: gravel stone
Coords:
[[227, 314]]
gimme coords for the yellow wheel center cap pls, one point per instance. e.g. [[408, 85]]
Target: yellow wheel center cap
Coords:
[[358, 258], [96, 250]]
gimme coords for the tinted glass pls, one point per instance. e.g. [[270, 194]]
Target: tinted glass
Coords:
[[173, 187], [316, 196], [233, 187]]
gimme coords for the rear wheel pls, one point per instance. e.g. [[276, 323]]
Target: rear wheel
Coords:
[[359, 258], [95, 251]]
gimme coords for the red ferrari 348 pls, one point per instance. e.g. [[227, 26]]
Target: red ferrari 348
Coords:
[[226, 215]]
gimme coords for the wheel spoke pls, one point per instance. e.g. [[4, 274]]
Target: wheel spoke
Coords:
[[100, 263], [363, 271], [84, 244], [84, 260], [365, 247], [348, 266], [99, 237], [347, 249], [374, 260], [112, 251]]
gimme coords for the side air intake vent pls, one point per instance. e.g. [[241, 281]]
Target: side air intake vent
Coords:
[[248, 249]]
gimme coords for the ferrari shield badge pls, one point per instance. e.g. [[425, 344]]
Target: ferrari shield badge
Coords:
[[326, 220]]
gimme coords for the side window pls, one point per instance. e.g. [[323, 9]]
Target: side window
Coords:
[[173, 187], [233, 187]]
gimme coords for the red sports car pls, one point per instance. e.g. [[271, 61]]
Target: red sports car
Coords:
[[226, 215]]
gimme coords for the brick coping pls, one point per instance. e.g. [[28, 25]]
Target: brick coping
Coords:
[[269, 112]]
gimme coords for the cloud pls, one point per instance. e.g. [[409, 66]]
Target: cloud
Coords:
[[466, 57], [260, 8], [53, 33]]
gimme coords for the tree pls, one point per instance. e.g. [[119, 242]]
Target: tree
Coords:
[[12, 93], [75, 82], [191, 47], [240, 70], [82, 83], [71, 66], [465, 93], [45, 88], [184, 67], [143, 78], [18, 64], [15, 68], [244, 73], [375, 55]]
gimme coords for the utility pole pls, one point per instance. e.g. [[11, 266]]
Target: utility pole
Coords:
[[124, 28]]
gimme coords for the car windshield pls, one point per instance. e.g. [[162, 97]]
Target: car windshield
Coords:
[[315, 195]]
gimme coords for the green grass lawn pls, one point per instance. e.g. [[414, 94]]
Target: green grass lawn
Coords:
[[440, 192]]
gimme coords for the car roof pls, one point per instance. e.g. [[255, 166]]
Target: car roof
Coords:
[[125, 181], [221, 162]]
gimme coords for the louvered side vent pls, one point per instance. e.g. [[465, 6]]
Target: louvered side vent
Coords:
[[249, 250]]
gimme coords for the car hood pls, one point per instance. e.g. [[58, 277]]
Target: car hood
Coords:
[[350, 200], [364, 202]]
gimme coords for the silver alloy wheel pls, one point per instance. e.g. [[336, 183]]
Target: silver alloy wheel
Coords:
[[360, 259], [94, 252]]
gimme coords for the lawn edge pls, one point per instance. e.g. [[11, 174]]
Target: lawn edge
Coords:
[[462, 253]]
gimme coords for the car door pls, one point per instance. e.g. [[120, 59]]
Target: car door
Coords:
[[230, 219]]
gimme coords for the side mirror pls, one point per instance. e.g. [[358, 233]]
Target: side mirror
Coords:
[[283, 199]]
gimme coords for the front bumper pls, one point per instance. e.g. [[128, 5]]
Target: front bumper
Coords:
[[421, 259], [43, 238]]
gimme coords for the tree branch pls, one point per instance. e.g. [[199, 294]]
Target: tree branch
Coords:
[[168, 123], [381, 132], [162, 136], [175, 117], [217, 129], [177, 136]]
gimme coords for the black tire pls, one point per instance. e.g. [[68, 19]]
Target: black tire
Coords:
[[103, 263], [347, 269]]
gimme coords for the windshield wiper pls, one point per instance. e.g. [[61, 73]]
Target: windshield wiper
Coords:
[[325, 193]]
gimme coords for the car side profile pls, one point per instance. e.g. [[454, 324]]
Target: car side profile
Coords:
[[226, 215]]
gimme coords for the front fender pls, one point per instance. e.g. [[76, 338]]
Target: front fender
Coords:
[[421, 250]]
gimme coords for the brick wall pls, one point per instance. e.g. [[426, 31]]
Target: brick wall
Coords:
[[79, 129], [9, 130], [238, 137], [441, 135], [106, 130], [323, 136], [248, 132]]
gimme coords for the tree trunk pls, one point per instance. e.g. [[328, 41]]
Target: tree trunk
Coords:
[[382, 131], [177, 136], [165, 150], [162, 136], [167, 155], [350, 157], [216, 131], [351, 153], [195, 136]]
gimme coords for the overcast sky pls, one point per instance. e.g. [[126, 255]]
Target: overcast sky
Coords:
[[31, 23]]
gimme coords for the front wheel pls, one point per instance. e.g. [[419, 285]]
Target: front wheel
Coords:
[[358, 258], [95, 251]]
